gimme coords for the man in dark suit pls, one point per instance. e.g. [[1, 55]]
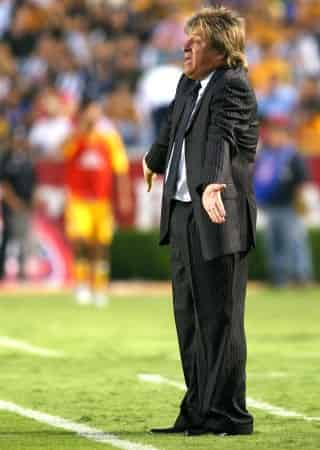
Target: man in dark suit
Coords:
[[206, 150]]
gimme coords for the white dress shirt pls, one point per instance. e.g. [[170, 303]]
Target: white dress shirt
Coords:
[[182, 192]]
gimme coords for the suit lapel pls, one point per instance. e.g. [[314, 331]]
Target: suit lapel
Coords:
[[213, 80], [181, 105]]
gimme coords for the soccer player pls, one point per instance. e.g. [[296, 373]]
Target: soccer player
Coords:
[[94, 157]]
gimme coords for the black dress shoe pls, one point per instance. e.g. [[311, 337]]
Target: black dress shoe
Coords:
[[197, 431], [169, 430]]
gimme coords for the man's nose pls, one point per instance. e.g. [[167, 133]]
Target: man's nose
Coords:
[[187, 44]]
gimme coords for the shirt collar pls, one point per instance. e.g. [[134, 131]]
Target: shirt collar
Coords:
[[206, 80]]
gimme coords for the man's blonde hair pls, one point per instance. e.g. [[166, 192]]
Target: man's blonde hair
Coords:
[[225, 31]]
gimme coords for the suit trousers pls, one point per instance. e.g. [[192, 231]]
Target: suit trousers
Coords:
[[208, 298]]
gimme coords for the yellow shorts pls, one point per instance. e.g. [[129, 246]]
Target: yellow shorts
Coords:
[[91, 221]]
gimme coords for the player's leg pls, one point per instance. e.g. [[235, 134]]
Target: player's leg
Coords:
[[81, 252], [100, 274], [79, 229], [103, 219]]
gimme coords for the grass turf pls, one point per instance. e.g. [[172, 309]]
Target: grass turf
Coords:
[[96, 382]]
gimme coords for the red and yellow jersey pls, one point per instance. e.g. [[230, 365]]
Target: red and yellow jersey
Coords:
[[92, 159]]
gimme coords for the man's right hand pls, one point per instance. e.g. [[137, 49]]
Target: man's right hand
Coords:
[[148, 175], [213, 204]]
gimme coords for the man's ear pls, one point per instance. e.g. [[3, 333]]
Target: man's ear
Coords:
[[221, 57]]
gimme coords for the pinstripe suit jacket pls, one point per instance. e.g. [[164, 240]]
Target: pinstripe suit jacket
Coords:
[[220, 147]]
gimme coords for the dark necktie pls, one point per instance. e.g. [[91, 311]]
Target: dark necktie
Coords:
[[170, 186]]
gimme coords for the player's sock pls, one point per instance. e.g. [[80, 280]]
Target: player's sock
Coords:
[[83, 294], [82, 280], [100, 282]]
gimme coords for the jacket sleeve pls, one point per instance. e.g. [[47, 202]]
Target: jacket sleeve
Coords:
[[231, 110]]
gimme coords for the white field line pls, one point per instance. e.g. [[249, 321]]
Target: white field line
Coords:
[[256, 404], [93, 434], [28, 348]]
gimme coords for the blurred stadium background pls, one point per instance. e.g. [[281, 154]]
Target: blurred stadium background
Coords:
[[57, 57]]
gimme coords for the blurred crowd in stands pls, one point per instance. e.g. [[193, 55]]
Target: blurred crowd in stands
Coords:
[[59, 56]]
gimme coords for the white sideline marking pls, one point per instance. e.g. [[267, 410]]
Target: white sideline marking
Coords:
[[93, 434], [257, 404], [25, 347]]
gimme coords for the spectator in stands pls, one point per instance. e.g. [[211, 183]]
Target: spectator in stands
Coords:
[[280, 177], [126, 65], [78, 38], [93, 154], [99, 74], [69, 79], [37, 66], [52, 126], [121, 109], [304, 53], [271, 66], [156, 89], [18, 182], [23, 33], [307, 118], [6, 7], [168, 36], [8, 71], [118, 20], [279, 98]]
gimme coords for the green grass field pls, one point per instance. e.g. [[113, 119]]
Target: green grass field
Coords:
[[96, 382]]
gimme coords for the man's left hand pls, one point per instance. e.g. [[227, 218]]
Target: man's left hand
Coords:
[[148, 175], [213, 204]]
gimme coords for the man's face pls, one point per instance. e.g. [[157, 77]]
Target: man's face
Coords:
[[199, 58]]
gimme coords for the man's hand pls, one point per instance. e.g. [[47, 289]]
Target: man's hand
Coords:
[[212, 202], [148, 175]]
